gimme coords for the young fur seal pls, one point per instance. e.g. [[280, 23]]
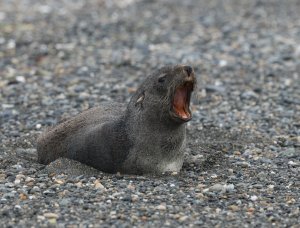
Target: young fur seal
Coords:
[[146, 137]]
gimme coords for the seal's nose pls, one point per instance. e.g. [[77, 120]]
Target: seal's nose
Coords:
[[188, 70]]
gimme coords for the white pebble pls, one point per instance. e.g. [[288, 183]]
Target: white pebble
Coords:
[[20, 79], [271, 186], [11, 44], [222, 63], [254, 198], [291, 163], [229, 187]]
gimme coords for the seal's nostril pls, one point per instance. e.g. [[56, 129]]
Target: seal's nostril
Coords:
[[188, 70]]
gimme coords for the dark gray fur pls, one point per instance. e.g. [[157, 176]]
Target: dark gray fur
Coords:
[[138, 139]]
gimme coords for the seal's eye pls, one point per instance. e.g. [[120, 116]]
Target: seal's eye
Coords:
[[162, 78]]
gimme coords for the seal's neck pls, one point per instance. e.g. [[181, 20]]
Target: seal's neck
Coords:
[[140, 120]]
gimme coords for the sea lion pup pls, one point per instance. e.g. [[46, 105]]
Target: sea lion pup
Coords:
[[146, 137]]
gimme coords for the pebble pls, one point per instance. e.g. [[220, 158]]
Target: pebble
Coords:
[[29, 179], [254, 198], [20, 79], [35, 189], [98, 185], [215, 188], [161, 207], [183, 218], [49, 192], [229, 187], [243, 164], [50, 215]]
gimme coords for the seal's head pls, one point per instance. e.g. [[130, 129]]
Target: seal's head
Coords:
[[166, 93]]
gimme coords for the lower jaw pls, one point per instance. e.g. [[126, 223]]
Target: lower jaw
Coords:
[[179, 119]]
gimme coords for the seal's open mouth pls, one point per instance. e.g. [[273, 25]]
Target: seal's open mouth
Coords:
[[181, 101]]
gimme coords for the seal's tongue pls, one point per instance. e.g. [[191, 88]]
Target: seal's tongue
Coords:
[[180, 103]]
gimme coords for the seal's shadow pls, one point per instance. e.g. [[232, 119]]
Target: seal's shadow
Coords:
[[212, 146]]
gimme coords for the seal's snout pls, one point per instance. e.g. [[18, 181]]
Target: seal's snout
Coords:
[[189, 76], [188, 70]]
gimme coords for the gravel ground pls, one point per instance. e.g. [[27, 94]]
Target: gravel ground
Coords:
[[242, 166]]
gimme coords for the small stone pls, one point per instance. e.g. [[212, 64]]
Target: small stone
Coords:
[[216, 188], [222, 63], [59, 181], [289, 153], [11, 44], [40, 217], [291, 201], [131, 187], [98, 185], [23, 196], [17, 181], [50, 215], [2, 176], [65, 201], [183, 218], [199, 195], [17, 207], [134, 198], [35, 189], [201, 186], [292, 163], [32, 197], [218, 210], [253, 198], [45, 9], [29, 179], [49, 192], [18, 167], [271, 186], [3, 201], [229, 187], [249, 95], [234, 208], [52, 221], [251, 210], [161, 207], [9, 195], [258, 186], [20, 177], [238, 153], [243, 164], [20, 79], [213, 89], [9, 185], [214, 176], [78, 184]]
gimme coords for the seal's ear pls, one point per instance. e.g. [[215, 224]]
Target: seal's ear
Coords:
[[139, 101]]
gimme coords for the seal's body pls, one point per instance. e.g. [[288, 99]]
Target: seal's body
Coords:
[[146, 136]]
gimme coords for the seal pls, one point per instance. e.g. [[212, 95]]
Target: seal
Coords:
[[145, 137]]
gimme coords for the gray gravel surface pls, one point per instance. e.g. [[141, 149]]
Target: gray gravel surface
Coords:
[[242, 166]]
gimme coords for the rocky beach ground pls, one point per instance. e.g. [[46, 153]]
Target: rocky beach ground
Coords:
[[242, 168]]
